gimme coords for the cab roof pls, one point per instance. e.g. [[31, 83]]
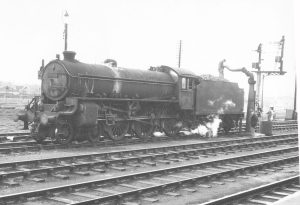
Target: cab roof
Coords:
[[181, 71]]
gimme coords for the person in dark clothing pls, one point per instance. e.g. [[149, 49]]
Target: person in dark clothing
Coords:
[[253, 122], [259, 111], [25, 125], [221, 68]]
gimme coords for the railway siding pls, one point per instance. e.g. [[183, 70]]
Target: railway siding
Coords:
[[101, 162], [213, 170], [129, 173], [263, 194]]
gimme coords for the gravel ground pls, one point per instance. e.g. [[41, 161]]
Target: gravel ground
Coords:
[[8, 109], [7, 123]]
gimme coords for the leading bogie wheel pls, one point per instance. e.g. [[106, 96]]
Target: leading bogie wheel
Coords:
[[117, 131], [64, 133], [40, 134]]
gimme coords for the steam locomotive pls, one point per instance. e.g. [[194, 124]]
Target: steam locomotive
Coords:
[[84, 101]]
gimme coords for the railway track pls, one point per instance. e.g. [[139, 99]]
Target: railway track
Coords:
[[22, 141], [284, 128], [135, 187], [84, 164], [11, 147], [264, 195], [21, 146], [25, 135]]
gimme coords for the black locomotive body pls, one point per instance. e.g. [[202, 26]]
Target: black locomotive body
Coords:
[[80, 101]]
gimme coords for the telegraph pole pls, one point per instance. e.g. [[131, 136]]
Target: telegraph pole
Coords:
[[179, 56], [295, 100], [66, 30]]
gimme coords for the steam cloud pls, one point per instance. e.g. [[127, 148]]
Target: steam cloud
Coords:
[[228, 104], [209, 129]]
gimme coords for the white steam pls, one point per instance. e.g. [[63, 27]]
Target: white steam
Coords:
[[209, 129], [213, 102], [158, 134], [228, 104], [202, 130], [214, 126]]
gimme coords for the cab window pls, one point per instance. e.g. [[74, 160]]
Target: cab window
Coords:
[[187, 84], [190, 83], [183, 84]]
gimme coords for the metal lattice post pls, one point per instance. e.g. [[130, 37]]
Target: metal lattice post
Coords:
[[258, 88]]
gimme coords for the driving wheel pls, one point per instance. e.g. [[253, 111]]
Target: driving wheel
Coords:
[[117, 131], [143, 129], [171, 127]]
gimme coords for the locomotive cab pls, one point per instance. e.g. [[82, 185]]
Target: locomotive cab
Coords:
[[187, 92], [186, 85]]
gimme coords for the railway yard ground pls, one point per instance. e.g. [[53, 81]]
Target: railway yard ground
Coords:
[[8, 109], [190, 170]]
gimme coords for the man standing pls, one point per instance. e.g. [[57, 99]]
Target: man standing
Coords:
[[253, 122], [259, 112], [271, 114], [221, 68]]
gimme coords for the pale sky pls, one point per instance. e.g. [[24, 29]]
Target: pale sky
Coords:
[[144, 33]]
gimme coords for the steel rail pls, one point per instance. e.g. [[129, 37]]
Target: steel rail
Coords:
[[14, 134], [136, 155], [252, 192], [232, 143], [48, 192], [105, 144], [161, 187], [169, 150], [23, 147], [8, 147]]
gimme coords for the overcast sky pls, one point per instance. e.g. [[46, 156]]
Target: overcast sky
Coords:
[[143, 33]]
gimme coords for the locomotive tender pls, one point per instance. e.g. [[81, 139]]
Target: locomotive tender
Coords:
[[85, 101]]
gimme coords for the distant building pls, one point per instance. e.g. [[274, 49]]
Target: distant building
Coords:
[[14, 92]]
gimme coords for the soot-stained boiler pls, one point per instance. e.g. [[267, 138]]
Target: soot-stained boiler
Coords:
[[82, 101]]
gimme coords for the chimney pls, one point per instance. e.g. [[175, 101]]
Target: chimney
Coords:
[[69, 55]]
